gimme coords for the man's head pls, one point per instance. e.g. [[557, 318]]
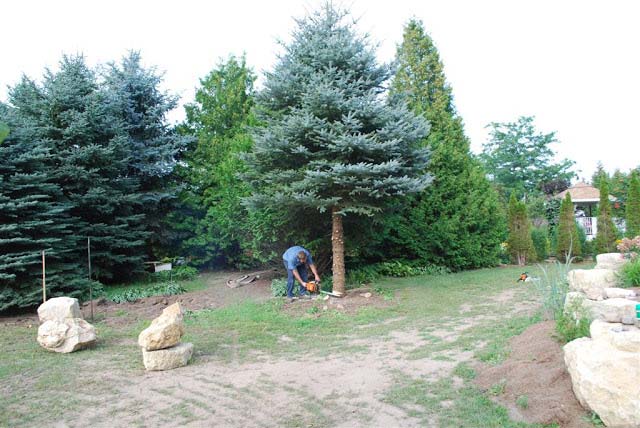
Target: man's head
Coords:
[[302, 257]]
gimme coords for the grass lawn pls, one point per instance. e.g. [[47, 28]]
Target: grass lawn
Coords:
[[406, 363]]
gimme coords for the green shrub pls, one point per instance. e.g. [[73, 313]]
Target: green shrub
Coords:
[[178, 273], [396, 269], [630, 273], [133, 294], [279, 287], [540, 238], [573, 323], [553, 287]]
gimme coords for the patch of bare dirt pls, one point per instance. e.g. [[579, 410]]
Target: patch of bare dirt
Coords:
[[535, 369], [216, 294]]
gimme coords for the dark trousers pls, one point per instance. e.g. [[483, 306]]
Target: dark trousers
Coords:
[[291, 280]]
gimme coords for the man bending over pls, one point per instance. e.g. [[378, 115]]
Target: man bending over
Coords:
[[296, 260]]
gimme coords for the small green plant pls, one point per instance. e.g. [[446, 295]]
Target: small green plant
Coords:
[[178, 273], [133, 294], [522, 402], [386, 293], [573, 322], [630, 273], [498, 388], [313, 310], [553, 287], [594, 419], [279, 287]]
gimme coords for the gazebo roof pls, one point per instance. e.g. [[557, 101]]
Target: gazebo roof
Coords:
[[582, 192]]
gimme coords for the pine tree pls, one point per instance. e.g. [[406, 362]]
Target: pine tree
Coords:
[[568, 244], [519, 241], [606, 234], [33, 217], [632, 213], [135, 98], [330, 142], [215, 227], [457, 221]]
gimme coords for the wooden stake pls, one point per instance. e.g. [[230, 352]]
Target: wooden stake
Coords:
[[90, 282], [44, 281]]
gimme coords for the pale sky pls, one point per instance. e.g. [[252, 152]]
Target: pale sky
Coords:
[[575, 65]]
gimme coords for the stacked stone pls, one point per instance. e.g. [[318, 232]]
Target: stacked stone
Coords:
[[160, 342], [605, 369], [63, 329]]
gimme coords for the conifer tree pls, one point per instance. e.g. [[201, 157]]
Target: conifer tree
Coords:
[[330, 142], [33, 216], [519, 241], [214, 226], [457, 220], [568, 244], [136, 99], [632, 213], [606, 233]]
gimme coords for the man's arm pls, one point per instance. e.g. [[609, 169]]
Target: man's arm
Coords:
[[315, 272], [296, 275]]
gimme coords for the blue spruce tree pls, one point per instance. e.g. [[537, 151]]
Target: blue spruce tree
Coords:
[[331, 141]]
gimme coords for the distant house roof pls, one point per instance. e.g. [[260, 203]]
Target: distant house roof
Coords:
[[582, 192]]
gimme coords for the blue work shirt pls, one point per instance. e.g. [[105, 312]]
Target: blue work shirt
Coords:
[[291, 257]]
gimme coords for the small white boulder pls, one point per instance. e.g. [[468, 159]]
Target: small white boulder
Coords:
[[59, 309], [169, 358]]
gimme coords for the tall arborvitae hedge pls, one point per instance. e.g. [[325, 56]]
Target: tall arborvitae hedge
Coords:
[[632, 212], [457, 221], [568, 244], [606, 233], [520, 243]]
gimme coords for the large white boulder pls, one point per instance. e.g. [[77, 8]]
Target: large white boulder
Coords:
[[620, 336], [612, 261], [592, 282], [164, 331], [612, 293], [59, 309], [70, 335], [605, 372], [617, 310], [167, 359]]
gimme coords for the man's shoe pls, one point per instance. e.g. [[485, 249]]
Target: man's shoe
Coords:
[[292, 299], [305, 296]]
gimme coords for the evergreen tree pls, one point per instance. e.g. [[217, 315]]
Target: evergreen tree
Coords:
[[597, 174], [519, 241], [33, 217], [138, 102], [606, 234], [457, 221], [520, 159], [214, 226], [330, 142], [568, 244], [632, 213]]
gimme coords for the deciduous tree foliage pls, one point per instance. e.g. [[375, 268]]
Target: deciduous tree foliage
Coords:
[[520, 160], [457, 221], [568, 244], [632, 213], [520, 243], [330, 141], [606, 234]]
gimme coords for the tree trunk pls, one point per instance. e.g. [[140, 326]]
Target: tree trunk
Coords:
[[337, 245]]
